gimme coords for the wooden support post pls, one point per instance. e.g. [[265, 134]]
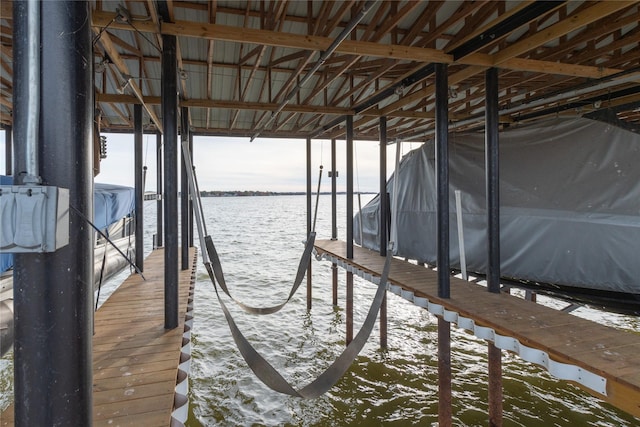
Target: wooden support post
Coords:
[[309, 270], [444, 373], [442, 183], [493, 231], [383, 323], [349, 300], [495, 385]]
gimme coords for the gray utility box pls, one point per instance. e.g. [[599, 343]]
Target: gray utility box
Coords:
[[33, 218]]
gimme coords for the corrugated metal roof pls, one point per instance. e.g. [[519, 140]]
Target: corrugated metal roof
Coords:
[[239, 60]]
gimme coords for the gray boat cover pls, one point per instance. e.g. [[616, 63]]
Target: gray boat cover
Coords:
[[569, 196]]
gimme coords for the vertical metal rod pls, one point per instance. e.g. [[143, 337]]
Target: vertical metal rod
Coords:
[[349, 218], [33, 93], [349, 187], [492, 180], [493, 231], [334, 221], [170, 125], [382, 203], [191, 213], [53, 292], [139, 186], [8, 145], [442, 179], [382, 206], [159, 201], [309, 271], [444, 373], [442, 183], [184, 190]]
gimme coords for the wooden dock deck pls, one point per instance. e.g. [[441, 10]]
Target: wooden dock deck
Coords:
[[135, 360], [602, 360]]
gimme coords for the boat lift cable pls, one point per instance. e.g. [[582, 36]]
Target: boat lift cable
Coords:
[[258, 364], [88, 221], [327, 379], [211, 258]]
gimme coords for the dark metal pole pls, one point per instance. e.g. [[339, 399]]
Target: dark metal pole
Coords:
[[382, 202], [349, 187], [442, 183], [309, 282], [383, 222], [349, 226], [159, 201], [191, 221], [492, 180], [170, 125], [184, 190], [8, 160], [53, 292], [493, 230], [139, 198], [442, 180], [334, 221]]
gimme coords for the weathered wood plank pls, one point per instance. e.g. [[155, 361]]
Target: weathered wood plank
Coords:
[[135, 360], [605, 351]]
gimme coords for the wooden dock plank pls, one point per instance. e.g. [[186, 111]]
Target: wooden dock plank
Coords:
[[605, 351], [135, 360]]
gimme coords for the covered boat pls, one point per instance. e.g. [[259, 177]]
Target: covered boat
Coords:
[[569, 215], [113, 216]]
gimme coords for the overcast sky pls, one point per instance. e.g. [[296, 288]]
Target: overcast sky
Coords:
[[237, 164]]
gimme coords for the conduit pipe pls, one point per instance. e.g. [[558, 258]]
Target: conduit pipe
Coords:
[[33, 91], [323, 57]]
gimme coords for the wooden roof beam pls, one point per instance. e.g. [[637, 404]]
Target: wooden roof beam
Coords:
[[110, 49], [361, 48]]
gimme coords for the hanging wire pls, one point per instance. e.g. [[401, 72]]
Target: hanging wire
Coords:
[[102, 30]]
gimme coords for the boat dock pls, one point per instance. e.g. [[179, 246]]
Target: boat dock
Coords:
[[600, 359], [139, 367]]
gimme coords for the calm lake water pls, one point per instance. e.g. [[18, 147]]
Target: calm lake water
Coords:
[[259, 240]]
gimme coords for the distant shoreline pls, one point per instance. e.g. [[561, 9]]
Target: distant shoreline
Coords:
[[264, 193], [248, 193]]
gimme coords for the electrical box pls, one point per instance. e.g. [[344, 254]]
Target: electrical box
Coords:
[[33, 218]]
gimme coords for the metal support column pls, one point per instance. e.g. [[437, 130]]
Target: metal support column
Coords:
[[8, 158], [384, 214], [383, 222], [442, 190], [139, 190], [53, 292], [349, 226], [170, 126], [184, 190], [493, 231], [334, 221], [309, 281], [191, 217], [159, 220]]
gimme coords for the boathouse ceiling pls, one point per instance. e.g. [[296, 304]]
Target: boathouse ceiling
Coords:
[[249, 68]]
